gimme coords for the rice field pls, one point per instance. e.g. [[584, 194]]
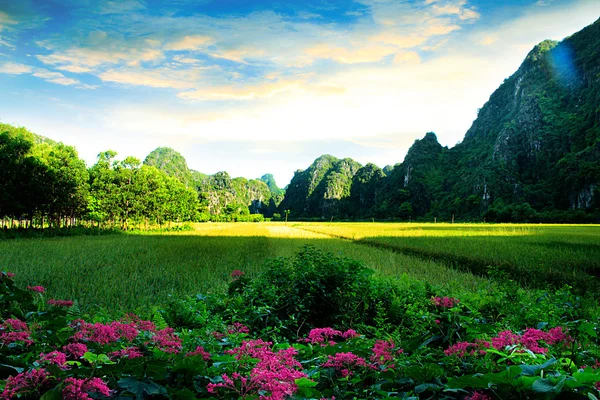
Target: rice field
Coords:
[[138, 271]]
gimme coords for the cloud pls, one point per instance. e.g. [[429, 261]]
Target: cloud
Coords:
[[60, 79], [13, 68], [189, 43], [246, 92], [367, 54], [161, 78], [6, 21], [407, 57], [119, 6], [489, 39]]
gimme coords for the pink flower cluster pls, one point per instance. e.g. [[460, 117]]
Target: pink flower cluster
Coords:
[[237, 328], [79, 389], [54, 358], [130, 352], [383, 353], [77, 350], [344, 362], [167, 341], [462, 349], [37, 289], [237, 274], [104, 333], [8, 275], [14, 330], [444, 302], [23, 383], [274, 373], [199, 352], [325, 336], [478, 396], [60, 303], [529, 340]]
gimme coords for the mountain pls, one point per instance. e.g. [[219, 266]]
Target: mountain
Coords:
[[170, 162], [533, 153], [322, 190]]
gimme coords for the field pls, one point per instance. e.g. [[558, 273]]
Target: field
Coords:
[[136, 271], [452, 311]]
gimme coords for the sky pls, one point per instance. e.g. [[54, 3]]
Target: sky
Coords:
[[254, 87]]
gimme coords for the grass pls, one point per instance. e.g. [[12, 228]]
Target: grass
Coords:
[[136, 271], [535, 255]]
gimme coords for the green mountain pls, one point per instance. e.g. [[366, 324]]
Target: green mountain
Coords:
[[170, 162], [533, 153], [322, 190]]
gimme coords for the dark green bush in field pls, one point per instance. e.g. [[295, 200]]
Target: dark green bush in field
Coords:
[[316, 289], [408, 341]]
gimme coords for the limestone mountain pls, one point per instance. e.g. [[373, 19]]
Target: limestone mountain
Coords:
[[322, 190]]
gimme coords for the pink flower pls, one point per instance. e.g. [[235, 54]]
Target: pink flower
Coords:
[[275, 373], [504, 340], [54, 358], [237, 274], [14, 330], [60, 303], [199, 352], [105, 333], [344, 362], [350, 334], [444, 302], [79, 389], [478, 396], [383, 353], [167, 341], [38, 289], [15, 324], [23, 383], [461, 349], [130, 352], [77, 350], [322, 335], [237, 328]]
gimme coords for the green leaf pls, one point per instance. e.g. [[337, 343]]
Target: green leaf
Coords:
[[52, 395], [547, 386], [531, 370], [305, 382]]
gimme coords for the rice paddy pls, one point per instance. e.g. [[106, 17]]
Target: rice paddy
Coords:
[[138, 271]]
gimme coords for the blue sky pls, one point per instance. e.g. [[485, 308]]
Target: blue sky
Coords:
[[252, 87]]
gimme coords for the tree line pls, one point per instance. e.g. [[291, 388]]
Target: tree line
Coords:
[[46, 184]]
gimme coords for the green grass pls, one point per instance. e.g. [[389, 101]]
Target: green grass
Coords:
[[136, 271], [535, 255]]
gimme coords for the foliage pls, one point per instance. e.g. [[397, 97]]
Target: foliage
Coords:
[[197, 347]]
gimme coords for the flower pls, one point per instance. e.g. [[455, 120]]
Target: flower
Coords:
[[167, 341], [444, 302], [343, 362], [79, 389], [24, 382], [322, 335], [199, 352], [77, 350], [237, 274], [350, 334], [383, 353], [38, 289], [54, 358], [478, 396], [237, 328], [129, 352], [14, 330], [60, 303]]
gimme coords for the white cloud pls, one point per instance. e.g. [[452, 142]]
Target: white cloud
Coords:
[[13, 68], [189, 43]]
